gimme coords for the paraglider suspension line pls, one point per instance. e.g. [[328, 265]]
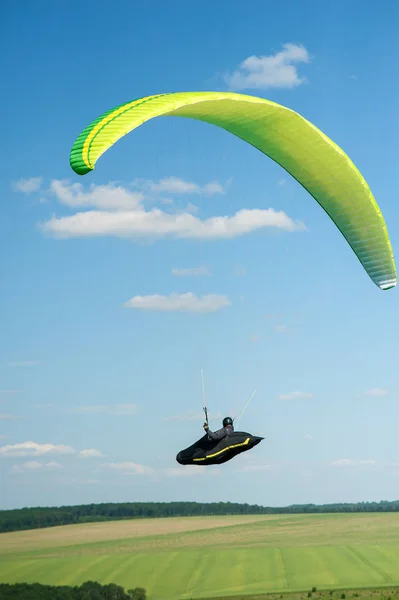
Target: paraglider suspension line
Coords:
[[246, 406], [204, 399]]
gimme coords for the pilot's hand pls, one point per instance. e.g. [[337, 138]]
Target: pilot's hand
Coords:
[[206, 426]]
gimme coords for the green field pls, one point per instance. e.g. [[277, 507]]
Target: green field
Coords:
[[204, 557]]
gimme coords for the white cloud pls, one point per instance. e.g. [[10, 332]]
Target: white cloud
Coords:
[[121, 213], [273, 71], [114, 197], [90, 453], [27, 186], [213, 188], [129, 468], [255, 338], [377, 392], [348, 462], [308, 437], [8, 417], [34, 449], [190, 208], [192, 415], [239, 271], [35, 466], [186, 471], [191, 272], [108, 197], [295, 395], [178, 186], [188, 302], [255, 468], [111, 409], [157, 223], [23, 363]]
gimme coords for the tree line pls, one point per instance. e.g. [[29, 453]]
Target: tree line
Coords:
[[38, 517], [91, 590]]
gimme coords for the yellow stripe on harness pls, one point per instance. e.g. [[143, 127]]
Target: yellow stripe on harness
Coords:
[[224, 450]]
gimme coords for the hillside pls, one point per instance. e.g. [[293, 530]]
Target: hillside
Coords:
[[39, 517]]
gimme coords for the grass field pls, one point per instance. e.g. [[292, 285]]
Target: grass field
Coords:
[[204, 557]]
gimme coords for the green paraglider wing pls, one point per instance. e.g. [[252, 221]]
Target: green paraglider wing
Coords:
[[304, 151]]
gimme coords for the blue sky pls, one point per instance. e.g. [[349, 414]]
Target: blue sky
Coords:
[[96, 397]]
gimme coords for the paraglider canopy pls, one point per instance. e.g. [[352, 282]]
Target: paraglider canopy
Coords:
[[312, 158]]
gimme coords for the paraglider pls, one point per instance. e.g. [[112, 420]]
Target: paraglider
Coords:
[[286, 137], [217, 447], [206, 451]]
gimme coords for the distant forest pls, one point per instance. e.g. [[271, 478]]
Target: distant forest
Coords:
[[33, 518]]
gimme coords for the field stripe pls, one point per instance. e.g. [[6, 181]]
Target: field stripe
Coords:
[[281, 567], [378, 570], [203, 565], [122, 569]]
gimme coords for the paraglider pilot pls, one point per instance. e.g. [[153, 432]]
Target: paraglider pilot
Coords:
[[226, 430]]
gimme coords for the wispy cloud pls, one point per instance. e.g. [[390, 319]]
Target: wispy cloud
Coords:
[[6, 392], [272, 317], [9, 417], [295, 396], [274, 71], [34, 449], [90, 453], [239, 271], [188, 302], [111, 196], [377, 392], [348, 462], [27, 186], [255, 337], [254, 468], [116, 197], [129, 468], [109, 409], [193, 415], [307, 436], [186, 471], [23, 363], [200, 271], [282, 328], [178, 186], [190, 208], [35, 466]]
